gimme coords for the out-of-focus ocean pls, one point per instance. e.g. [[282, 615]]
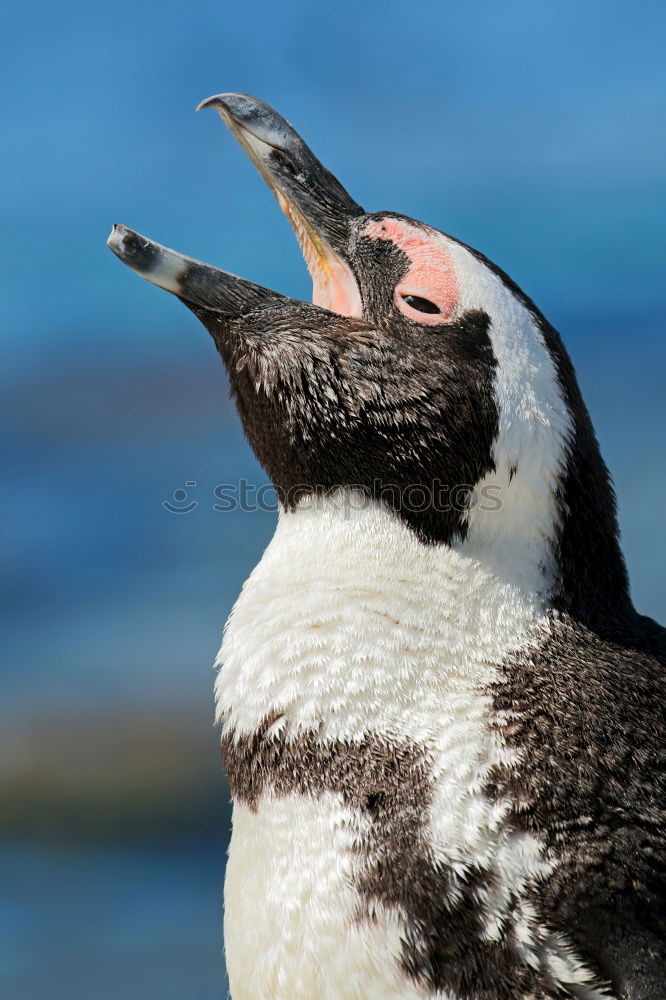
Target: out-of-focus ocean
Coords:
[[533, 132]]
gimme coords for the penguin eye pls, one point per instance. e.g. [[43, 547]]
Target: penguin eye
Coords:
[[421, 305], [426, 312]]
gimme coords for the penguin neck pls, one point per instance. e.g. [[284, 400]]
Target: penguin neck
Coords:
[[593, 585], [351, 624]]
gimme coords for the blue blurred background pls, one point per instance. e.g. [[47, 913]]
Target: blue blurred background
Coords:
[[534, 132]]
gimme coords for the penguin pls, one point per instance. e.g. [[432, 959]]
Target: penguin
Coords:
[[442, 717]]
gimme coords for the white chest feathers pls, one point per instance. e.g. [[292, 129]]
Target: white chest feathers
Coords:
[[350, 624], [351, 631], [291, 928]]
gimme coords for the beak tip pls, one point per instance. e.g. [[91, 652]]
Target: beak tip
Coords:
[[215, 102], [115, 239]]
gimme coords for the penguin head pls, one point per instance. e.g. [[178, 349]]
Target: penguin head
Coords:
[[420, 376]]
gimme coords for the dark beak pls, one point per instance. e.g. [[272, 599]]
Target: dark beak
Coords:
[[319, 209], [200, 286]]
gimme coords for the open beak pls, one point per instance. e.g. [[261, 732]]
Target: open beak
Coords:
[[319, 209]]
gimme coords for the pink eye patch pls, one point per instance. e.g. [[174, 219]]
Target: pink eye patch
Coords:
[[431, 276]]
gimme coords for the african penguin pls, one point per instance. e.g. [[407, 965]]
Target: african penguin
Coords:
[[441, 714]]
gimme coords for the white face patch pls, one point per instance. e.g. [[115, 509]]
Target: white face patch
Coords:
[[531, 448]]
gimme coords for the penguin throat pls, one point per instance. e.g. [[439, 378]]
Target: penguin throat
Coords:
[[334, 286]]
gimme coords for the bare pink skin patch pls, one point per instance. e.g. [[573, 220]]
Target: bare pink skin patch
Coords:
[[334, 286], [431, 273]]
